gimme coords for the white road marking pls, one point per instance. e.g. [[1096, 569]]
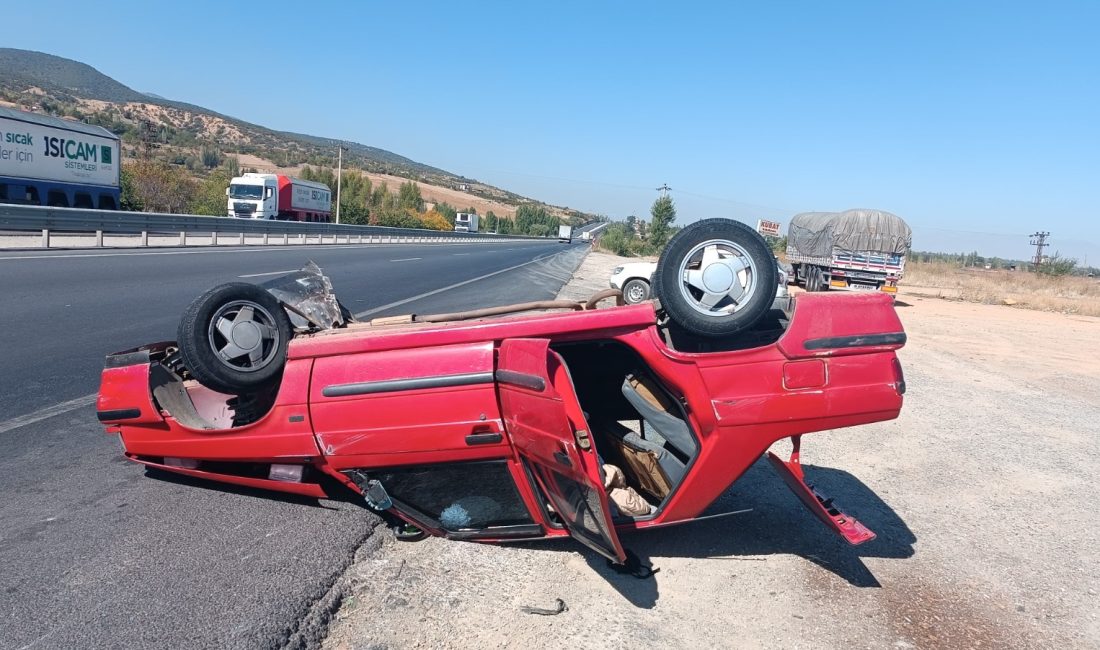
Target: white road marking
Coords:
[[456, 285], [48, 412], [457, 254], [407, 259], [260, 275]]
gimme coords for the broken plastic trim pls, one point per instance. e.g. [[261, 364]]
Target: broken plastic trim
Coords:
[[308, 297]]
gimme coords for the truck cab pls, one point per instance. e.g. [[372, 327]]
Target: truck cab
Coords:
[[253, 196]]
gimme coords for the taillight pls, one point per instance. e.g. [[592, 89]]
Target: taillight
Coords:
[[899, 377]]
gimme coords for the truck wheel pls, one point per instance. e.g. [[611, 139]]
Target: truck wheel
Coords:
[[812, 279], [234, 337], [716, 277], [635, 291]]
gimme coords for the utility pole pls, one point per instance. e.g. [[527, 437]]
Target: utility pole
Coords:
[[1039, 241], [664, 189], [339, 176]]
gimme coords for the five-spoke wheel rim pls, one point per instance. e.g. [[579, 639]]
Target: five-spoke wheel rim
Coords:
[[243, 336], [718, 277]]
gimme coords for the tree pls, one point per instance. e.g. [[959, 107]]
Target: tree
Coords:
[[435, 220], [490, 221], [663, 213], [160, 187], [447, 211], [631, 223], [210, 199], [408, 196], [1056, 265], [129, 200]]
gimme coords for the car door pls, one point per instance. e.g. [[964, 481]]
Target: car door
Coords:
[[544, 419]]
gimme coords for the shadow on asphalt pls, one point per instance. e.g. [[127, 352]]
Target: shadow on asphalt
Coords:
[[777, 525]]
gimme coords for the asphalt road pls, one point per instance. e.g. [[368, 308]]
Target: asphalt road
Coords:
[[95, 553]]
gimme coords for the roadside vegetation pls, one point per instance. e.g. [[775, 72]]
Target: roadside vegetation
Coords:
[[638, 238], [1045, 291]]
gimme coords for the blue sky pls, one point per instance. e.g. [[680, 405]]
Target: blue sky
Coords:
[[977, 123]]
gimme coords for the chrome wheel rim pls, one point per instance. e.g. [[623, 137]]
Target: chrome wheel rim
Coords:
[[243, 336], [718, 277]]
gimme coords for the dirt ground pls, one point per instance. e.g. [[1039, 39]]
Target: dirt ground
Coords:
[[981, 494]]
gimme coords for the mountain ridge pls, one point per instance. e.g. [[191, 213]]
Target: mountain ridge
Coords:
[[69, 88]]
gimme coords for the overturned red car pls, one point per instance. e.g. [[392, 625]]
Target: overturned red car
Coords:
[[521, 426]]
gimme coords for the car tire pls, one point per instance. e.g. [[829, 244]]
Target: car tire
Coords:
[[234, 337], [811, 279], [716, 278], [635, 290]]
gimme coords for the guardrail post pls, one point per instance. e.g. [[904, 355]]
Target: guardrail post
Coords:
[[99, 239], [183, 238], [265, 239], [286, 238], [241, 240], [144, 238], [45, 238], [302, 237], [214, 238]]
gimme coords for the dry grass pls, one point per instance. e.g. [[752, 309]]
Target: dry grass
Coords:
[[1070, 295]]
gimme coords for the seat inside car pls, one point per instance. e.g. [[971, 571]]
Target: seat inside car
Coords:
[[660, 414]]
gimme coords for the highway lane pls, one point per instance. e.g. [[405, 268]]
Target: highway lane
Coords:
[[96, 553]]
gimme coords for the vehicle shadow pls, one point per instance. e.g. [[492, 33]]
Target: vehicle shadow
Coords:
[[778, 524]]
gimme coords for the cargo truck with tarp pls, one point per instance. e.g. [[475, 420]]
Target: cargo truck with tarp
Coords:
[[859, 250], [45, 160]]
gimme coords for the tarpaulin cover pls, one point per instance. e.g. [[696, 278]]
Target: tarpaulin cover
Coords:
[[815, 234]]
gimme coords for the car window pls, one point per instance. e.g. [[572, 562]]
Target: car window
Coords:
[[579, 506], [459, 496]]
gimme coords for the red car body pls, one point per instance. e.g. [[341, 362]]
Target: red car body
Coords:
[[490, 410]]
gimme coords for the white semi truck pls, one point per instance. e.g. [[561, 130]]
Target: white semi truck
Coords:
[[275, 196], [466, 222]]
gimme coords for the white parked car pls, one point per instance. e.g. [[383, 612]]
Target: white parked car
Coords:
[[636, 279]]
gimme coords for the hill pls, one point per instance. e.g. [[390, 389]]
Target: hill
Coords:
[[194, 136]]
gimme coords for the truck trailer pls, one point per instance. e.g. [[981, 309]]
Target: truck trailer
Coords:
[[275, 196], [466, 222], [46, 160], [565, 234], [858, 250]]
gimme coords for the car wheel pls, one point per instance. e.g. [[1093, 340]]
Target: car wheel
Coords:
[[716, 277], [635, 291], [234, 337]]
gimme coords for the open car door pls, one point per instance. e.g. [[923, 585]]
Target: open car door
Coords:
[[544, 418]]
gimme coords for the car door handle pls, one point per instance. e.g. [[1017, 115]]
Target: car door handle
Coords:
[[483, 438]]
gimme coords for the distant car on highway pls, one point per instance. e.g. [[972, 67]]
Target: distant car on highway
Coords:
[[635, 280]]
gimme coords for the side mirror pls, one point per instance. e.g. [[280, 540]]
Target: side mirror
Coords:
[[227, 191]]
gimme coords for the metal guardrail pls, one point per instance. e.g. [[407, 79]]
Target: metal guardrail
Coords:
[[49, 220]]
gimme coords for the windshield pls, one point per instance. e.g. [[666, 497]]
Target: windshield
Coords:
[[246, 191]]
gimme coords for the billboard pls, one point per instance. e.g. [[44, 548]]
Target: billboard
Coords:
[[767, 228], [47, 153]]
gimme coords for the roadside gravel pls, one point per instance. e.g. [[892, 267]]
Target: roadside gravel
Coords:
[[981, 494]]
